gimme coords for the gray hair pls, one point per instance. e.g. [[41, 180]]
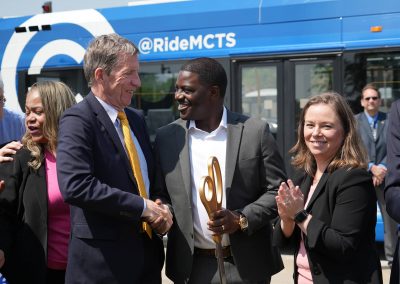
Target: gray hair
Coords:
[[105, 52]]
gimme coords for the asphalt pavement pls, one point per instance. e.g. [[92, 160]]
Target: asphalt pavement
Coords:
[[286, 275]]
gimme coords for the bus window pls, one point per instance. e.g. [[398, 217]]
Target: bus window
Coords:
[[380, 68], [311, 78], [156, 95], [73, 77], [259, 94]]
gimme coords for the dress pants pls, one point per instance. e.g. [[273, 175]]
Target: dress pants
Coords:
[[55, 276], [205, 270], [390, 226]]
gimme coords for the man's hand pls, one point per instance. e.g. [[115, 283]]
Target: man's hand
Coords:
[[2, 185], [224, 222], [9, 150], [2, 258], [379, 174], [158, 216], [164, 222], [152, 211]]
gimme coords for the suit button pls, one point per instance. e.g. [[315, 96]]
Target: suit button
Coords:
[[316, 270]]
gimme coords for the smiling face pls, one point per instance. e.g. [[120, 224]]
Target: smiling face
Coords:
[[193, 97], [120, 85], [323, 132], [35, 116]]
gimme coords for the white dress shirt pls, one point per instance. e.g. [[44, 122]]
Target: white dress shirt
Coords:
[[202, 145]]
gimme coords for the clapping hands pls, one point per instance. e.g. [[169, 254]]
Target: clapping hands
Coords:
[[290, 200]]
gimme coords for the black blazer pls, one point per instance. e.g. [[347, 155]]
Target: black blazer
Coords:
[[23, 221], [340, 241]]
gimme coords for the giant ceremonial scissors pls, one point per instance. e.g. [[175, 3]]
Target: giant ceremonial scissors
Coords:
[[212, 201]]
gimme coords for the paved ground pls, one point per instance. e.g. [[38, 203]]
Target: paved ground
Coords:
[[285, 276]]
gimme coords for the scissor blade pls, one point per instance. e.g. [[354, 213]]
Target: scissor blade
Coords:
[[220, 259]]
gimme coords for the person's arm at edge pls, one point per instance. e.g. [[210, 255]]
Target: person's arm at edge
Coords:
[[392, 189]]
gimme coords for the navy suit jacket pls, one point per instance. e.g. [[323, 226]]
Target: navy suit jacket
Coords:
[[392, 189], [96, 179]]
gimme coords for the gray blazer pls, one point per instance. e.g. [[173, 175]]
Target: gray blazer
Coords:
[[254, 170], [376, 149]]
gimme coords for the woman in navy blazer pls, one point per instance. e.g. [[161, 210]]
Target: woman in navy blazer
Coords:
[[34, 220], [329, 211]]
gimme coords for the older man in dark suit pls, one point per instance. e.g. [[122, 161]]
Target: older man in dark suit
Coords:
[[105, 170], [372, 128], [251, 170]]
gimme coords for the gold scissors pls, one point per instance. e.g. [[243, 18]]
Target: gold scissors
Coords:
[[212, 201]]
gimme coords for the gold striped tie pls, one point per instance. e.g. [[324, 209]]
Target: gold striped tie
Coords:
[[134, 161]]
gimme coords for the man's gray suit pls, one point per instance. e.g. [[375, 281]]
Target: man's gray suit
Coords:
[[376, 149], [254, 170]]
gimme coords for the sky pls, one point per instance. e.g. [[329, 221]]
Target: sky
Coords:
[[11, 8]]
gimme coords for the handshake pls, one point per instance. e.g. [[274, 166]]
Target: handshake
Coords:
[[158, 216]]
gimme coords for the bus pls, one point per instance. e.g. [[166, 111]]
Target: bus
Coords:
[[277, 53]]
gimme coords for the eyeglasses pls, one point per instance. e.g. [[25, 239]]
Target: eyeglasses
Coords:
[[371, 98], [2, 100]]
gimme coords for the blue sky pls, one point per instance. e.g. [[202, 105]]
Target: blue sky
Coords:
[[10, 8]]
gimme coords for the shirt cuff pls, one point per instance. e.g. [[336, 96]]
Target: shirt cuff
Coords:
[[370, 166], [144, 207]]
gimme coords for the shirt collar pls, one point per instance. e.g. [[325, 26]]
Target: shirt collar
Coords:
[[371, 119], [223, 123], [111, 111]]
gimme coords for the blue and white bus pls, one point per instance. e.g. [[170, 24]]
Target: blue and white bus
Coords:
[[277, 53]]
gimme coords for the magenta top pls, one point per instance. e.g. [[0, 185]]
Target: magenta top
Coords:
[[303, 267], [58, 224]]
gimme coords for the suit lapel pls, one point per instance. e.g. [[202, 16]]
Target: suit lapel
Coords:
[[367, 127], [234, 137], [38, 179], [108, 129], [320, 188], [184, 160], [381, 124]]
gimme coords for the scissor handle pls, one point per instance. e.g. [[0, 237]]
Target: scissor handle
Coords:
[[212, 197], [214, 171], [208, 197]]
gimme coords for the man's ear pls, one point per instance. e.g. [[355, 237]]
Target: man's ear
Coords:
[[214, 91], [362, 100], [98, 74]]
